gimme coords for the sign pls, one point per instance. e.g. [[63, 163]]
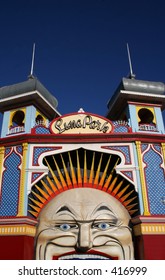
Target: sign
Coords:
[[80, 123]]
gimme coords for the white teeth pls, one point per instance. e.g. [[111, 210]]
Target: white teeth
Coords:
[[82, 257]]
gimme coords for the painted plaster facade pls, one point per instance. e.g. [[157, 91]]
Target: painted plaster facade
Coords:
[[131, 137]]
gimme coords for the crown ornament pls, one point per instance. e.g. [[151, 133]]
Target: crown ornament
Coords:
[[82, 169]]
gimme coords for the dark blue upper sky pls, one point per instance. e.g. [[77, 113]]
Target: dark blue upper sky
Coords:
[[81, 52]]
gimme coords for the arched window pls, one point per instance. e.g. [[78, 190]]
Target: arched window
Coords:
[[146, 120], [39, 120], [18, 118], [146, 116]]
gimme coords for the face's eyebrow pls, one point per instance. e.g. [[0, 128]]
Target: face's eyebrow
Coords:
[[103, 207], [64, 208]]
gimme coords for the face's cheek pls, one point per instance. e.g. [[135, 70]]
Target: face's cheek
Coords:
[[116, 242], [51, 242]]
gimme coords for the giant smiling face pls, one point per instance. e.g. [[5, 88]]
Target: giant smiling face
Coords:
[[84, 223]]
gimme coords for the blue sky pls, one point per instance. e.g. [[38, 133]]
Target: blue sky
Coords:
[[81, 52]]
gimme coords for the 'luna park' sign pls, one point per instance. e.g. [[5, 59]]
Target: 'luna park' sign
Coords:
[[80, 123]]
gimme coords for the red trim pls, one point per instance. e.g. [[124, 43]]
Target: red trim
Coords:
[[148, 219], [83, 138], [144, 104], [15, 219], [90, 252]]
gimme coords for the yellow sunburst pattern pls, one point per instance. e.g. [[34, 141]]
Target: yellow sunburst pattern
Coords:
[[82, 168]]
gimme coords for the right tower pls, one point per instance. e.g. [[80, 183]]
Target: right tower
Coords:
[[140, 104]]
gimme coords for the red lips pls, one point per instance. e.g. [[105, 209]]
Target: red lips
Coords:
[[87, 255]]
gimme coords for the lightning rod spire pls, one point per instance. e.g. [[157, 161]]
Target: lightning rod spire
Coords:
[[132, 75], [32, 62]]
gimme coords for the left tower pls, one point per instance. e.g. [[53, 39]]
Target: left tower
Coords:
[[24, 105]]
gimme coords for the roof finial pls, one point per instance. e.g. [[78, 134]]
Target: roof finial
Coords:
[[132, 75], [81, 110], [32, 63]]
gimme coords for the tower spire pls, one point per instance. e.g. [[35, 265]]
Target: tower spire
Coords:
[[132, 75], [32, 62]]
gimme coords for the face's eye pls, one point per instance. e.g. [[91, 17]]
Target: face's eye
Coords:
[[65, 227], [103, 226]]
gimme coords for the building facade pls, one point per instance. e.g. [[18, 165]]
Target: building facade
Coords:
[[80, 185]]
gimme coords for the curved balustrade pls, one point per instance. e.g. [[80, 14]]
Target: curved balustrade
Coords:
[[147, 127], [16, 129]]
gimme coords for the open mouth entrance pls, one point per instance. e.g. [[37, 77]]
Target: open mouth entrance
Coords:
[[92, 255], [82, 168]]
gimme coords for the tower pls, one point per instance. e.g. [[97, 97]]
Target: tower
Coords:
[[24, 106], [141, 104]]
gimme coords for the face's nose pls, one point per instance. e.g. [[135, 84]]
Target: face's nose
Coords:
[[84, 242]]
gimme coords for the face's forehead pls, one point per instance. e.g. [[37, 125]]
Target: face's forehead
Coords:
[[84, 202]]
